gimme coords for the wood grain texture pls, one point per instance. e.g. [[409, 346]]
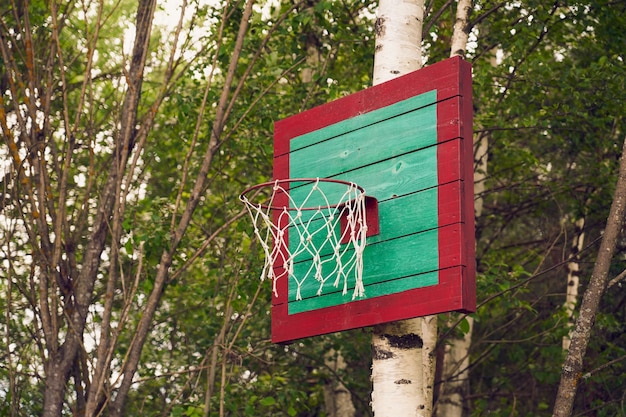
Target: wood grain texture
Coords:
[[408, 142]]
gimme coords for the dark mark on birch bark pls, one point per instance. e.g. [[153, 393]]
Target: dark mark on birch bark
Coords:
[[379, 27], [460, 52], [382, 354], [405, 341]]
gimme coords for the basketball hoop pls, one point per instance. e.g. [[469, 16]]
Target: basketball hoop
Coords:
[[328, 220]]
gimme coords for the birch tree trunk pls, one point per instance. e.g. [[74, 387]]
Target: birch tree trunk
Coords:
[[455, 374], [573, 280], [403, 364], [398, 30], [573, 366], [337, 397]]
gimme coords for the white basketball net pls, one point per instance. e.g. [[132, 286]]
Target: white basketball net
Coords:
[[314, 236]]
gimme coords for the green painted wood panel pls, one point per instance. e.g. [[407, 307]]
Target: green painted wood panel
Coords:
[[387, 179], [392, 154], [375, 290], [358, 122], [388, 260], [409, 214], [407, 132]]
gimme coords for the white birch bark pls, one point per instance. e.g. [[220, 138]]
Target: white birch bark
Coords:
[[398, 38], [403, 364], [460, 33], [429, 363], [398, 371], [573, 280]]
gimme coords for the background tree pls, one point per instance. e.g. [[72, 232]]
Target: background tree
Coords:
[[551, 116], [97, 230]]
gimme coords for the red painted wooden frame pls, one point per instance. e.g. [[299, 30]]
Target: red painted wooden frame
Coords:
[[456, 290]]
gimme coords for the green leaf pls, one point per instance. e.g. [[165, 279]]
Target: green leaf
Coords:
[[267, 401], [464, 326], [129, 247], [194, 411]]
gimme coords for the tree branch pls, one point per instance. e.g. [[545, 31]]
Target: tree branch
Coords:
[[572, 368]]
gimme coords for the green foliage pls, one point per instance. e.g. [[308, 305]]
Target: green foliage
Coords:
[[554, 115], [549, 96]]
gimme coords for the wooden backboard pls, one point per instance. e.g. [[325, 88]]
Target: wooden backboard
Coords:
[[408, 143]]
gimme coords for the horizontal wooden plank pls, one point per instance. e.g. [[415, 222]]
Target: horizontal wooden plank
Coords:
[[456, 244], [444, 76], [390, 178], [401, 216], [373, 290], [384, 138], [389, 260], [388, 123], [448, 295], [352, 151]]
